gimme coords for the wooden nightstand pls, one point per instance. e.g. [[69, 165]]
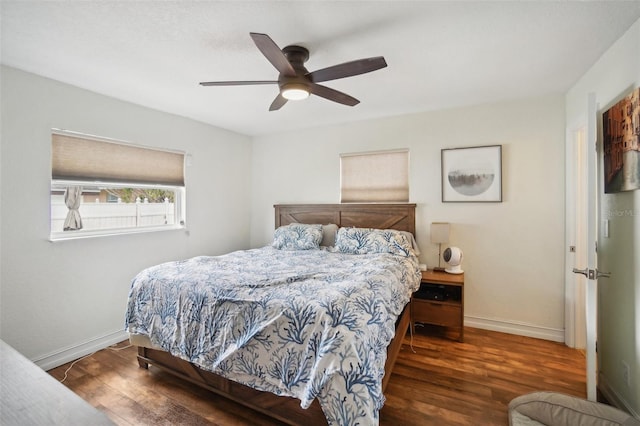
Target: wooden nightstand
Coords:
[[439, 301]]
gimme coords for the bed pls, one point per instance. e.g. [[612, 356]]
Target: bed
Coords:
[[308, 336]]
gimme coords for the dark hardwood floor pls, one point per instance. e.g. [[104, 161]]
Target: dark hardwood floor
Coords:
[[444, 382]]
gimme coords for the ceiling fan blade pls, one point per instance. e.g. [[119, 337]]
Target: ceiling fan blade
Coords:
[[278, 103], [236, 83], [348, 69], [333, 95], [272, 52]]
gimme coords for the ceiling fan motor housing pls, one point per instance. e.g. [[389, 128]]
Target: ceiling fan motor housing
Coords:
[[297, 56]]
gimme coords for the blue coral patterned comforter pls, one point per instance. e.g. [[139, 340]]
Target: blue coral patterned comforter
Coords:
[[307, 324]]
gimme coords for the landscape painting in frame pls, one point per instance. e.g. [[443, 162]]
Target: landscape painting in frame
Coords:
[[472, 174], [621, 144]]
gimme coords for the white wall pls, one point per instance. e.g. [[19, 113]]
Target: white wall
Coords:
[[513, 250], [60, 300], [613, 76]]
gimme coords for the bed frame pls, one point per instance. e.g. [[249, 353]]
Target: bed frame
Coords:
[[287, 409]]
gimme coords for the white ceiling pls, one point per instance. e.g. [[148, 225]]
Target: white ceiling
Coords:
[[440, 54]]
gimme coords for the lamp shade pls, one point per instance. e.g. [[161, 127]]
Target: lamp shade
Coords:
[[440, 232]]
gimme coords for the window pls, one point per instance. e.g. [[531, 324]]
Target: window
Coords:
[[374, 177], [103, 187]]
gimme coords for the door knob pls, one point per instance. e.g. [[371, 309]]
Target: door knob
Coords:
[[584, 271], [592, 274]]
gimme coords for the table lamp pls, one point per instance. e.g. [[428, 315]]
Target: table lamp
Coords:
[[439, 235]]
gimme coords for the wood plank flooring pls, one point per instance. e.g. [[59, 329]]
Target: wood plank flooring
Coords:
[[444, 382]]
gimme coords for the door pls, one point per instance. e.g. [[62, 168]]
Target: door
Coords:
[[576, 219], [588, 159]]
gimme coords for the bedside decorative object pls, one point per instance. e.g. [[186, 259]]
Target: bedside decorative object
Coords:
[[453, 256], [439, 236]]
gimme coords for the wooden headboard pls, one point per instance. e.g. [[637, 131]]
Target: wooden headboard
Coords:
[[381, 216]]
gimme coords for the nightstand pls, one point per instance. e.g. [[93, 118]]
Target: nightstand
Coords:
[[439, 301]]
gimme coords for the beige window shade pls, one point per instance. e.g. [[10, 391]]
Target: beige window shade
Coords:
[[86, 159], [375, 177]]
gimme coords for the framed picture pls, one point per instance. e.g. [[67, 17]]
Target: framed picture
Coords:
[[621, 144], [472, 175]]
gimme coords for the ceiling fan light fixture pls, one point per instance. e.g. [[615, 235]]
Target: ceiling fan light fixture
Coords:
[[294, 91]]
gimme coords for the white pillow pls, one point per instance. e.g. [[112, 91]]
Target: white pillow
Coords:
[[329, 235]]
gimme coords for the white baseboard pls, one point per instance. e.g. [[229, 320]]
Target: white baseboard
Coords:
[[520, 329], [614, 397], [55, 359]]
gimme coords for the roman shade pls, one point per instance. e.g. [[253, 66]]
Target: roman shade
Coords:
[[79, 158], [374, 177]]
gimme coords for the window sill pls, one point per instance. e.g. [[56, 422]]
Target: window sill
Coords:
[[78, 235]]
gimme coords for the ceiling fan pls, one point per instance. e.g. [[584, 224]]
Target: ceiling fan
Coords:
[[295, 81]]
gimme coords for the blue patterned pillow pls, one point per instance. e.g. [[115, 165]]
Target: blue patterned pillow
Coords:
[[297, 236], [368, 240]]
